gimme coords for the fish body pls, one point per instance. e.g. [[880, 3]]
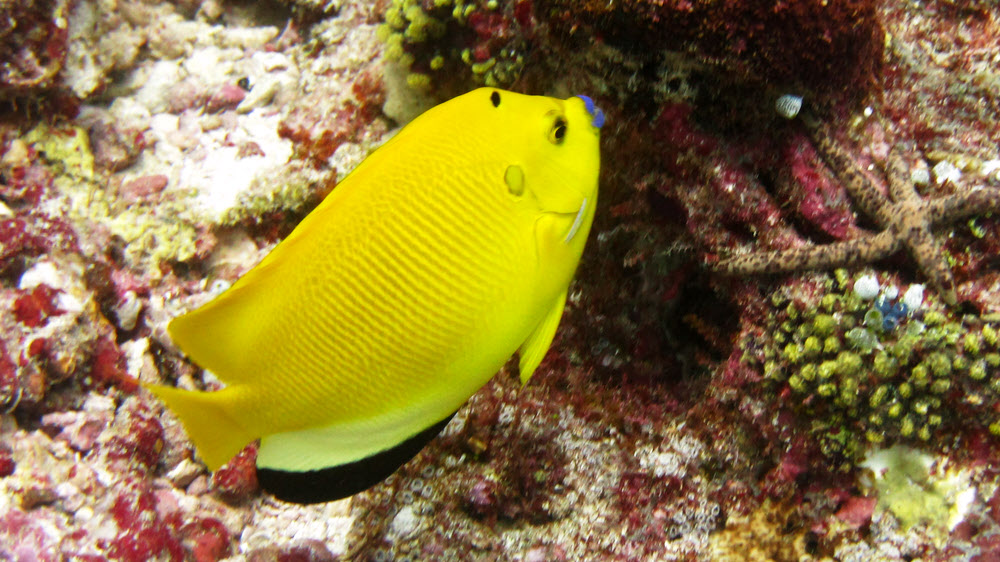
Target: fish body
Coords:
[[446, 251]]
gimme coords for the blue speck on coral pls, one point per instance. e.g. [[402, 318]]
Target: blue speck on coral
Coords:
[[892, 313]]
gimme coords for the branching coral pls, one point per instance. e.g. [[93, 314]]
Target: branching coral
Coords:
[[905, 220]]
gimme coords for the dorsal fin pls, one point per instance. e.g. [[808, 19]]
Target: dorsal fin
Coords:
[[221, 335]]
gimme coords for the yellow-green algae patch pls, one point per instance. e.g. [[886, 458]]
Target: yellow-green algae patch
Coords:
[[754, 536], [164, 234], [166, 228], [435, 40], [262, 197], [153, 231], [298, 184], [916, 488], [66, 147]]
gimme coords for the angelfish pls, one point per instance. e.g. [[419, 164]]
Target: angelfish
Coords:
[[352, 343]]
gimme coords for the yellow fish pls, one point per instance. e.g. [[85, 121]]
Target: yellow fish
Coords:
[[357, 338]]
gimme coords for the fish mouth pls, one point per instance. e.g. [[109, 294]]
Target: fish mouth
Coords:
[[578, 216]]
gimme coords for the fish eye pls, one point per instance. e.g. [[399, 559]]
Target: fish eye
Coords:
[[558, 132], [495, 98]]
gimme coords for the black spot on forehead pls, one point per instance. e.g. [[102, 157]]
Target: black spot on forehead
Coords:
[[495, 98]]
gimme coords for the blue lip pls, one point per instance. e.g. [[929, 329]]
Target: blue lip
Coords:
[[594, 111]]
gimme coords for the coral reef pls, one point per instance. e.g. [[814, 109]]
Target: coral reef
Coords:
[[103, 218], [820, 46], [878, 369], [34, 37], [154, 151]]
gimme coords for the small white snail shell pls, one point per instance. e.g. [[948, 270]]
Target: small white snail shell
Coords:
[[788, 105], [866, 287]]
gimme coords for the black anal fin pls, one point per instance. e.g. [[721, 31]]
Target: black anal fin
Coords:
[[336, 482]]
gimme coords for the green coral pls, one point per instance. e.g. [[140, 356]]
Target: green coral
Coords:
[[432, 40], [862, 378]]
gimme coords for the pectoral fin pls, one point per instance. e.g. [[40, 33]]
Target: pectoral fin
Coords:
[[533, 349]]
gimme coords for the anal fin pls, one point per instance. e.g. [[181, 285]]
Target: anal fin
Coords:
[[336, 482]]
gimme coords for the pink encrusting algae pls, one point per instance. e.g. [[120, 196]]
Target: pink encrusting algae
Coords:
[[154, 152]]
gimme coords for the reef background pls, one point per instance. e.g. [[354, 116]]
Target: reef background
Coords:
[[152, 152]]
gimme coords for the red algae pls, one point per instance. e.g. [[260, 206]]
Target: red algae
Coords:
[[26, 185], [25, 538], [146, 187], [857, 511], [729, 196], [108, 366], [821, 200], [319, 143], [142, 535], [228, 96], [236, 482], [33, 308], [206, 540], [135, 438], [7, 464], [30, 235], [34, 37]]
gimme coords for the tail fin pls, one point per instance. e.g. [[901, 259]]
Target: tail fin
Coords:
[[216, 435]]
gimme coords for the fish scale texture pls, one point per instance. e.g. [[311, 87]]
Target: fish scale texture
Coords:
[[393, 308], [404, 291]]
